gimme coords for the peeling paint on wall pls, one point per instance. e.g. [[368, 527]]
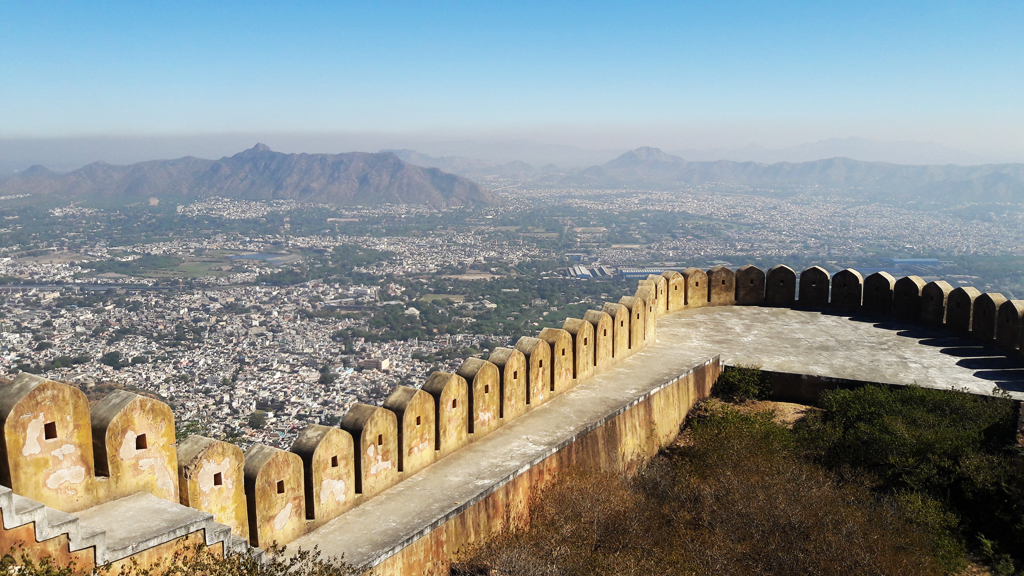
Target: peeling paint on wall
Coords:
[[207, 471], [32, 436], [332, 489], [72, 475], [281, 520]]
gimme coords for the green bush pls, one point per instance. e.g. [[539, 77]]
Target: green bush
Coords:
[[257, 420], [743, 382], [924, 445]]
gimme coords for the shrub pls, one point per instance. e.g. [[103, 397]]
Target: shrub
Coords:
[[257, 420], [193, 560], [743, 382], [949, 447]]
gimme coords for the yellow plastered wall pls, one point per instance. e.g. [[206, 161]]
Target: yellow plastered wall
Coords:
[[661, 286], [1008, 325], [561, 359], [133, 443], [328, 471], [646, 293], [451, 411], [696, 284], [780, 286], [750, 284], [582, 333], [620, 330], [721, 286], [211, 479], [48, 443], [847, 290], [637, 312], [513, 374], [934, 298], [415, 412], [986, 307], [374, 433], [647, 290], [878, 293], [275, 497], [675, 290], [538, 372], [604, 338], [814, 288], [484, 396]]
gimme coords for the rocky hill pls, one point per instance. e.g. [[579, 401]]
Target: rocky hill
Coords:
[[354, 178], [651, 168]]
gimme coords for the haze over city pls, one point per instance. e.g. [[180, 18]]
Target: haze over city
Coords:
[[512, 288], [573, 84]]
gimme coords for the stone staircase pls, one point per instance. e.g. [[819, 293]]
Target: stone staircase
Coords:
[[154, 521]]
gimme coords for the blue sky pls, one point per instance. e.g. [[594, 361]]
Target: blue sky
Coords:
[[607, 73]]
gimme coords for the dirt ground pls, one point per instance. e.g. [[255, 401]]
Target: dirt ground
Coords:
[[786, 413], [975, 569]]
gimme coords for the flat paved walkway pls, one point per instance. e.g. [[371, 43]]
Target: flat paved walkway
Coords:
[[838, 346], [399, 516], [778, 339]]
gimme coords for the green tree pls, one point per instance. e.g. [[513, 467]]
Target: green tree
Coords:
[[326, 376], [743, 382], [257, 420], [112, 359]]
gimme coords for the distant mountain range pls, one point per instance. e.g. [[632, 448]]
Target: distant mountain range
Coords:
[[653, 169], [918, 153], [355, 178], [409, 177]]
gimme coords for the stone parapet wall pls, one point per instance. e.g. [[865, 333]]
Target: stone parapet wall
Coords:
[[56, 451]]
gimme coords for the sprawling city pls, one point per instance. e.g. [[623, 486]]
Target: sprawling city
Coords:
[[254, 319], [511, 289]]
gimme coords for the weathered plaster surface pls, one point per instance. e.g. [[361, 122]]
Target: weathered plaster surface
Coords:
[[202, 460], [615, 421], [451, 403]]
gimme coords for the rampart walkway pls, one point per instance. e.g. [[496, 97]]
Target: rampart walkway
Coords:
[[381, 526], [836, 346], [778, 339]]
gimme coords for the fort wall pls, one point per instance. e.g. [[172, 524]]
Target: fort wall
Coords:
[[57, 452], [620, 442]]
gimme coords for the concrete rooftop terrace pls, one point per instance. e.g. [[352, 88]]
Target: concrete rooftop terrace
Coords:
[[778, 339], [865, 348]]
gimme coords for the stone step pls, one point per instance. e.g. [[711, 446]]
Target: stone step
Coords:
[[151, 521]]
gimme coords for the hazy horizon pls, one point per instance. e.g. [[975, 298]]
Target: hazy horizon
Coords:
[[580, 81], [68, 154]]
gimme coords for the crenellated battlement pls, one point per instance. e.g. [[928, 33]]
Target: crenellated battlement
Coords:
[[61, 454]]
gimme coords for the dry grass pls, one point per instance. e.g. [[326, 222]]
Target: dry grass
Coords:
[[733, 501]]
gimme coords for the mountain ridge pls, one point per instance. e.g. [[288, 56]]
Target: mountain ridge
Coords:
[[654, 168], [353, 178]]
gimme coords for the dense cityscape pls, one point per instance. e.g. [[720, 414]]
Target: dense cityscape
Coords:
[[257, 318]]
